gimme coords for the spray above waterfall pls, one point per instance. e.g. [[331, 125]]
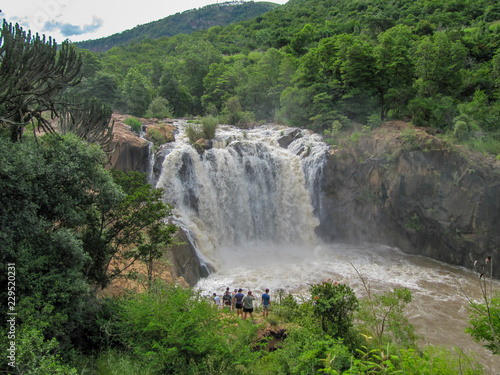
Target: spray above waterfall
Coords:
[[253, 187]]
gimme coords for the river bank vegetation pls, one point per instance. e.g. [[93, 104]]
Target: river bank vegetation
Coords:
[[67, 223]]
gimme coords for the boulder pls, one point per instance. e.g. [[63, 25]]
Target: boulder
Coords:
[[130, 152], [166, 131], [290, 136]]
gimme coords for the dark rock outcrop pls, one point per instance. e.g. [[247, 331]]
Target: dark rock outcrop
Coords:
[[405, 188], [185, 262], [289, 136]]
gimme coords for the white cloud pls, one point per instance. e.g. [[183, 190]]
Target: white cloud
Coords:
[[68, 30]]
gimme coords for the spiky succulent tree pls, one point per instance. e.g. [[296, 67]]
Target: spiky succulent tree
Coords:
[[34, 73]]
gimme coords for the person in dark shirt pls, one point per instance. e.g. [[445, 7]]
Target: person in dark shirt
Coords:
[[238, 302]]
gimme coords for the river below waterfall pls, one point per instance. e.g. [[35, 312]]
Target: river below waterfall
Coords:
[[250, 204], [438, 309]]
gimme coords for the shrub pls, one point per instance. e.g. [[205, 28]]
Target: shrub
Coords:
[[204, 130], [382, 315], [485, 323], [134, 123], [35, 354], [209, 126], [461, 130], [355, 137], [113, 362], [155, 136], [193, 132], [234, 115], [334, 304], [174, 328], [431, 360], [159, 108], [304, 352]]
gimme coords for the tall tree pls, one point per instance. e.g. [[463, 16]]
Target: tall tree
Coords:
[[137, 91], [32, 75], [132, 230], [394, 68]]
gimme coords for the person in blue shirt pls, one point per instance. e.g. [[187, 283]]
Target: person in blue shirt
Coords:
[[266, 303], [238, 302]]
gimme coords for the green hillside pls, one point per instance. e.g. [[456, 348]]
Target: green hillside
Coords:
[[183, 23], [322, 64]]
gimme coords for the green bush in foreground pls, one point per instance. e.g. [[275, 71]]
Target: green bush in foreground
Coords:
[[171, 330], [175, 331], [334, 304]]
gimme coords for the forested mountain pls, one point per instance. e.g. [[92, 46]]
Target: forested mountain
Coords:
[[322, 63], [183, 23]]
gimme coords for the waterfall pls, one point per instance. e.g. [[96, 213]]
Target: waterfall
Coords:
[[256, 187]]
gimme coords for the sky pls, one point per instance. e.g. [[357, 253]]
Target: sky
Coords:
[[79, 20]]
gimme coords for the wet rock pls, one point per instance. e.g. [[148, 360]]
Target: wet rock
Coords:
[[202, 145], [289, 137], [185, 261]]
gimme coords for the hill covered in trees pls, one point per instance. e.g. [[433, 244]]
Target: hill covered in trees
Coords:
[[322, 63], [183, 23]]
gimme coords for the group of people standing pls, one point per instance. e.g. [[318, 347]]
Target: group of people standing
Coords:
[[243, 303]]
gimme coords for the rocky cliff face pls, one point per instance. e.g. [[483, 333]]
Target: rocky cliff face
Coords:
[[398, 186], [402, 187], [184, 260]]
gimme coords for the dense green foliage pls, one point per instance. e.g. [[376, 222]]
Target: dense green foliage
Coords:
[[316, 63], [69, 226], [134, 123], [334, 304], [65, 220], [175, 330], [220, 14], [484, 319]]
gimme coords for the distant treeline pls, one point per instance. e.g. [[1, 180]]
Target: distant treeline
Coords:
[[321, 64], [186, 22]]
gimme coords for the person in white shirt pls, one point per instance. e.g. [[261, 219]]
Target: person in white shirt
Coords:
[[217, 300]]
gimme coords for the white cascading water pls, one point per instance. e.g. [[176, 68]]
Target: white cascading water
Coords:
[[246, 191], [250, 208]]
